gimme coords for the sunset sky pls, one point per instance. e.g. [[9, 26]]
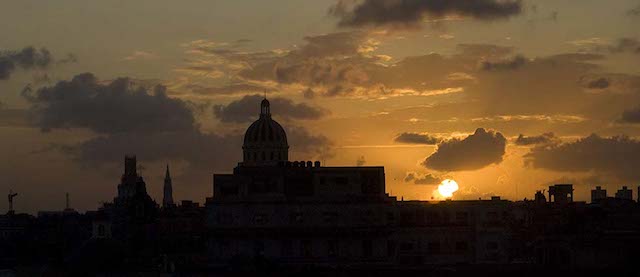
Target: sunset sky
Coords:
[[503, 96]]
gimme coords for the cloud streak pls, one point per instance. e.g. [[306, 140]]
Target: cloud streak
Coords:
[[411, 13]]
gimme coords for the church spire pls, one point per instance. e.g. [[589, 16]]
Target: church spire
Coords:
[[167, 201]]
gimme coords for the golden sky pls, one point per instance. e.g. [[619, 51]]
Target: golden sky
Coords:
[[506, 97]]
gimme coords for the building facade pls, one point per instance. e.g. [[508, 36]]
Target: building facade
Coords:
[[302, 212]]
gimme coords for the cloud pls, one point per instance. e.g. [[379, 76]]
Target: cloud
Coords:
[[621, 45], [339, 64], [302, 141], [199, 150], [140, 55], [417, 138], [128, 118], [631, 116], [617, 156], [422, 179], [634, 11], [247, 109], [600, 83], [412, 13], [546, 138], [626, 45], [27, 58], [510, 64], [107, 107], [240, 88], [476, 151]]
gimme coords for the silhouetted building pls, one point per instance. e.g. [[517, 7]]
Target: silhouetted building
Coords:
[[624, 193], [167, 199], [133, 203], [539, 197], [561, 193], [598, 194], [303, 212]]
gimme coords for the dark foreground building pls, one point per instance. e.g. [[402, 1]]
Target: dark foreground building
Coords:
[[272, 216]]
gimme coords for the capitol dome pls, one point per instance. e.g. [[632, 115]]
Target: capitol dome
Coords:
[[265, 141]]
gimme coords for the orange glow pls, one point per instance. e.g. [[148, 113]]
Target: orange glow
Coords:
[[447, 188]]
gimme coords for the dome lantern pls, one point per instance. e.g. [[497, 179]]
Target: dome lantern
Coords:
[[265, 141]]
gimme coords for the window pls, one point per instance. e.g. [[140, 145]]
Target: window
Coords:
[[391, 248], [286, 250], [305, 248], [341, 181], [461, 246], [263, 156], [434, 247], [101, 230], [462, 217], [391, 217], [260, 218], [272, 155], [332, 248], [330, 217], [258, 248], [224, 218], [296, 218], [367, 248], [492, 245]]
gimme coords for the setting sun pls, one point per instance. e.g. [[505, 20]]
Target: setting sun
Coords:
[[447, 188]]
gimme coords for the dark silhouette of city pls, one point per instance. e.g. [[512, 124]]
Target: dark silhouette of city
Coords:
[[272, 216]]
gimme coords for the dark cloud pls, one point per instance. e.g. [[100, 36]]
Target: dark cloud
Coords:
[[107, 107], [199, 150], [600, 83], [27, 58], [546, 138], [422, 179], [634, 12], [476, 151], [247, 109], [616, 156], [302, 141], [509, 64], [417, 138], [631, 116], [626, 45], [413, 12], [133, 119]]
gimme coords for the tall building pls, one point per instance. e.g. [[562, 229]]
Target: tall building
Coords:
[[598, 194], [167, 200], [561, 193], [133, 203], [624, 193]]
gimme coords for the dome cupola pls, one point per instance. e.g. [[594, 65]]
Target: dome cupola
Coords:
[[265, 141]]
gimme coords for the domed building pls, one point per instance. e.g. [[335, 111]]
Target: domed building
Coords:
[[265, 142]]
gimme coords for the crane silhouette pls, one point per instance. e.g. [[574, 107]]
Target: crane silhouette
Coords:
[[10, 197]]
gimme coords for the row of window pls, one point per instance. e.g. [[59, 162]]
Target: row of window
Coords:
[[335, 248], [253, 156], [368, 216]]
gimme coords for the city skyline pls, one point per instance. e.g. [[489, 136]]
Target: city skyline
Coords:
[[503, 97]]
